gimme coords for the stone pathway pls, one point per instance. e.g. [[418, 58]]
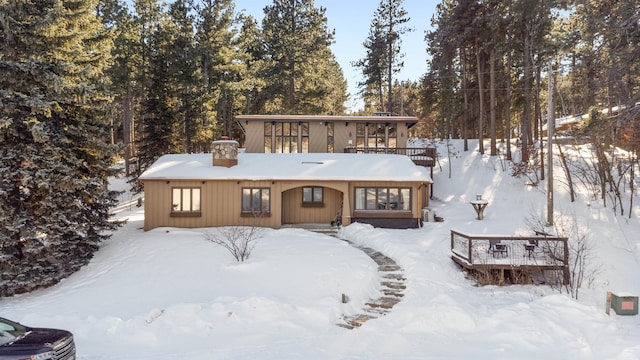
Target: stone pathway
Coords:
[[392, 283], [392, 286]]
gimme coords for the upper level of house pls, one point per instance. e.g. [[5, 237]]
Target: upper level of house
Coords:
[[323, 134]]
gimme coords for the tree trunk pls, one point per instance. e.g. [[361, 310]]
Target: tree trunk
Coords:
[[465, 115], [538, 121], [390, 60], [480, 99], [508, 107], [537, 112], [525, 131], [492, 102], [127, 129]]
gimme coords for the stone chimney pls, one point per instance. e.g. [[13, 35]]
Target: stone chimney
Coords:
[[225, 152]]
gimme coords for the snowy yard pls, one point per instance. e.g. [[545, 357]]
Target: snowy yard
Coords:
[[169, 294]]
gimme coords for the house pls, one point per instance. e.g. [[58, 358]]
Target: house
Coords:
[[323, 134], [228, 188], [567, 123]]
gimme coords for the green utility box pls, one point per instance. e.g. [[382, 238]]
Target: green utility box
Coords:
[[624, 305]]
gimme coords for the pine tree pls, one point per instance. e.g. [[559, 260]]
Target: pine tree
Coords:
[[162, 127], [373, 67], [297, 42], [219, 65], [54, 153], [253, 56], [183, 68], [124, 74], [383, 58]]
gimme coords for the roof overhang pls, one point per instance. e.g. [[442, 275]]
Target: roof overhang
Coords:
[[409, 120]]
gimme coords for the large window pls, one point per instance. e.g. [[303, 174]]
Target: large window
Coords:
[[312, 196], [377, 135], [256, 201], [286, 137], [185, 201], [383, 198]]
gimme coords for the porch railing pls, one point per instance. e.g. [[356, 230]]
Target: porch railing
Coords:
[[513, 251], [423, 156]]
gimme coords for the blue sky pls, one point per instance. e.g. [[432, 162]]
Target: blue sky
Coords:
[[351, 20]]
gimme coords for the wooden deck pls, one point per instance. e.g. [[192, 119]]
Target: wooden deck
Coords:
[[526, 255]]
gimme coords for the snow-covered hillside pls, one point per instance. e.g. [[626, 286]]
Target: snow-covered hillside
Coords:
[[169, 294]]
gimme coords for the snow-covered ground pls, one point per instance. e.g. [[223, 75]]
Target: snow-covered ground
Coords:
[[169, 294]]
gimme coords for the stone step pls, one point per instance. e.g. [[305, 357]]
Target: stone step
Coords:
[[392, 293], [397, 276], [354, 321], [389, 268], [392, 283], [377, 311], [385, 302]]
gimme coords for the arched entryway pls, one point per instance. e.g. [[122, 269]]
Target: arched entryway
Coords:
[[310, 205]]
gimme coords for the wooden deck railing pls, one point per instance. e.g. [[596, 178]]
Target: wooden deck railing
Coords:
[[509, 252], [423, 156]]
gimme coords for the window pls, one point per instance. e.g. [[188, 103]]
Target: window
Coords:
[[304, 137], [329, 137], [383, 198], [392, 136], [360, 135], [185, 201], [375, 135], [286, 137], [312, 196], [256, 200], [267, 138]]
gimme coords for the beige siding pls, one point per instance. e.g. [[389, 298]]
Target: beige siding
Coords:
[[403, 135], [254, 141], [317, 137], [254, 137], [294, 213], [341, 135], [221, 203]]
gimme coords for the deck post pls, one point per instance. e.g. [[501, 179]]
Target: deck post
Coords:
[[567, 275], [549, 260]]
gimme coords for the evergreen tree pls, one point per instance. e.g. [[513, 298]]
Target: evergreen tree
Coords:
[[253, 56], [183, 69], [162, 129], [444, 84], [54, 151], [329, 77], [220, 67], [297, 44], [123, 73], [384, 58], [373, 67]]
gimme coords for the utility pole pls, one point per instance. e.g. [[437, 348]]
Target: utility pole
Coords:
[[551, 124]]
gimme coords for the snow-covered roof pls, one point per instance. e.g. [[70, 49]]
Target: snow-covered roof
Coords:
[[568, 120], [305, 166]]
